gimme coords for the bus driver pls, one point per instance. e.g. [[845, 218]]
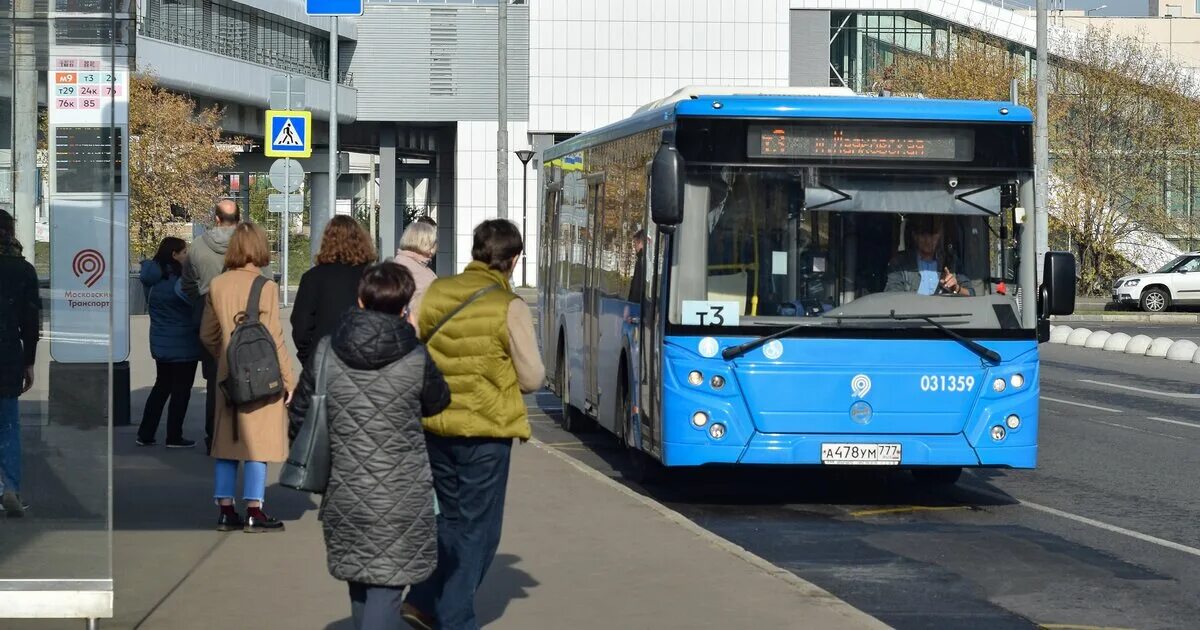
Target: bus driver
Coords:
[[925, 269]]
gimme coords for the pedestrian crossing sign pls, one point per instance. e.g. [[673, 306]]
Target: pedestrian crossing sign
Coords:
[[288, 134]]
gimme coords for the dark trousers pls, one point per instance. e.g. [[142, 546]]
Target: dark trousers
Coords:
[[470, 476], [174, 382], [376, 607], [209, 369]]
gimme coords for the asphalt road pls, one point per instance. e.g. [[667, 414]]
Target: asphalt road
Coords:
[[1174, 331], [1104, 534]]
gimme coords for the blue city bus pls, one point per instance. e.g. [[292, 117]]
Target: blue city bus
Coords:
[[791, 279]]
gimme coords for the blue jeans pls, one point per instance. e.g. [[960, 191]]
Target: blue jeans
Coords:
[[10, 445], [254, 479], [376, 607], [470, 476]]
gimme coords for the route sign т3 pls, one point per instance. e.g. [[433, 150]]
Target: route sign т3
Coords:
[[333, 7], [288, 134]]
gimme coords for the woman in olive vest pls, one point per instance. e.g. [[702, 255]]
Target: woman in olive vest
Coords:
[[481, 336]]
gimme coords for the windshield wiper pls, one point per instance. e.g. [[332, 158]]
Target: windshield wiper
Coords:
[[931, 319], [733, 352]]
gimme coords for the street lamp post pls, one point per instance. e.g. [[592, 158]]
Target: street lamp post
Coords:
[[524, 155], [1088, 13], [1171, 30]]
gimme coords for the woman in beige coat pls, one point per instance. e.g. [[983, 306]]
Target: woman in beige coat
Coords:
[[418, 245], [261, 434]]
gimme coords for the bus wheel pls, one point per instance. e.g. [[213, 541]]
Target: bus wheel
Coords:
[[641, 468], [574, 421], [939, 476]]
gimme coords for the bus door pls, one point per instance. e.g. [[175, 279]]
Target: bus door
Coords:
[[591, 295], [549, 262], [650, 340]]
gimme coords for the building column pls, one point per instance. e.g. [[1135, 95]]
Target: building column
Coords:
[[391, 226], [24, 127], [318, 210], [446, 209]]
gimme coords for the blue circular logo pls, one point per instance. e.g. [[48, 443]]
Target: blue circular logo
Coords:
[[861, 412]]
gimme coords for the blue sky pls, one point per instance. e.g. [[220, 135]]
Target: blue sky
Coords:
[[1115, 7]]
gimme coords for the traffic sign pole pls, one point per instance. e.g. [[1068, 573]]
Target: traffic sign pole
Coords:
[[286, 223]]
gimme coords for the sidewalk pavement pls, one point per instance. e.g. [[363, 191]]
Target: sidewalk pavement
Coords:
[[579, 551]]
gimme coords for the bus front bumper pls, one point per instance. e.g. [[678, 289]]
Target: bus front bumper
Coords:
[[805, 450]]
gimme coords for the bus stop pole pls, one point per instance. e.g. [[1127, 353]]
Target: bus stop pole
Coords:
[[1041, 138]]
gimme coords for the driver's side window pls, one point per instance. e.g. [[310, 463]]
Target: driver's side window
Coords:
[[1191, 266]]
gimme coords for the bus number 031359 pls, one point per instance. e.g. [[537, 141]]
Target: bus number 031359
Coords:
[[943, 383]]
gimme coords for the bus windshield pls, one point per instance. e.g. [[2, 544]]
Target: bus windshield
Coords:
[[786, 246]]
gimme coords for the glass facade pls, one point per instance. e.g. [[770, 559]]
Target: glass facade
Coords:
[[235, 30], [64, 279], [862, 45]]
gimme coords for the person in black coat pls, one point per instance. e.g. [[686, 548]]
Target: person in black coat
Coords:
[[378, 508], [329, 289], [20, 330]]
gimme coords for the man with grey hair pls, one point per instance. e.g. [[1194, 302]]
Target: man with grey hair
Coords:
[[418, 244], [206, 260]]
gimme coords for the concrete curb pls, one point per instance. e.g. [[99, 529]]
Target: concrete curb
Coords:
[[1143, 318], [803, 587], [1138, 345]]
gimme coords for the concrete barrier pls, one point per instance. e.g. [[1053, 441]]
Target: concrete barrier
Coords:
[[1182, 350], [1117, 342], [1096, 339], [1138, 344], [1059, 334], [1078, 337], [1159, 347], [1196, 357]]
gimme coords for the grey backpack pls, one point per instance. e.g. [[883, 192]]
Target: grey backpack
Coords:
[[254, 373]]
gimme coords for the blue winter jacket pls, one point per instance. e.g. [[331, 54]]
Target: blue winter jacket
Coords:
[[174, 333]]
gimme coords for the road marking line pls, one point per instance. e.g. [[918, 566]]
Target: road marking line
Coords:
[[1124, 426], [1079, 404], [1144, 391], [1116, 529], [910, 508], [1179, 422], [1073, 626]]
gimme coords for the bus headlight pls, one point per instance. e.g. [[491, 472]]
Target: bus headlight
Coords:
[[700, 419], [718, 382], [998, 433], [998, 385], [716, 431], [1017, 380], [695, 378], [1013, 422]]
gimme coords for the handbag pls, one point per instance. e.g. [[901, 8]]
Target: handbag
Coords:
[[308, 462]]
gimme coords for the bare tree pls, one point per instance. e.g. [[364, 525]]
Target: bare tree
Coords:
[[1123, 119]]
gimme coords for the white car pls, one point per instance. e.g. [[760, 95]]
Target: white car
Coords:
[[1178, 282]]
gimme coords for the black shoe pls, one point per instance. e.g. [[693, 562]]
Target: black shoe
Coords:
[[13, 506], [416, 618], [181, 443], [263, 526], [145, 442], [229, 522]]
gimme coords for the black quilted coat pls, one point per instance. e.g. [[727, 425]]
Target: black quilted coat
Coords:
[[377, 511], [20, 320]]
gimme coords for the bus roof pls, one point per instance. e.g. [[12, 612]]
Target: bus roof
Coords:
[[801, 108]]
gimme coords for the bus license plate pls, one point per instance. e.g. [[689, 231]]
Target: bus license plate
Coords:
[[861, 454]]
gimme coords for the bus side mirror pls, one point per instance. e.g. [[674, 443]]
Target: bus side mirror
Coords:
[[1058, 284], [666, 185]]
